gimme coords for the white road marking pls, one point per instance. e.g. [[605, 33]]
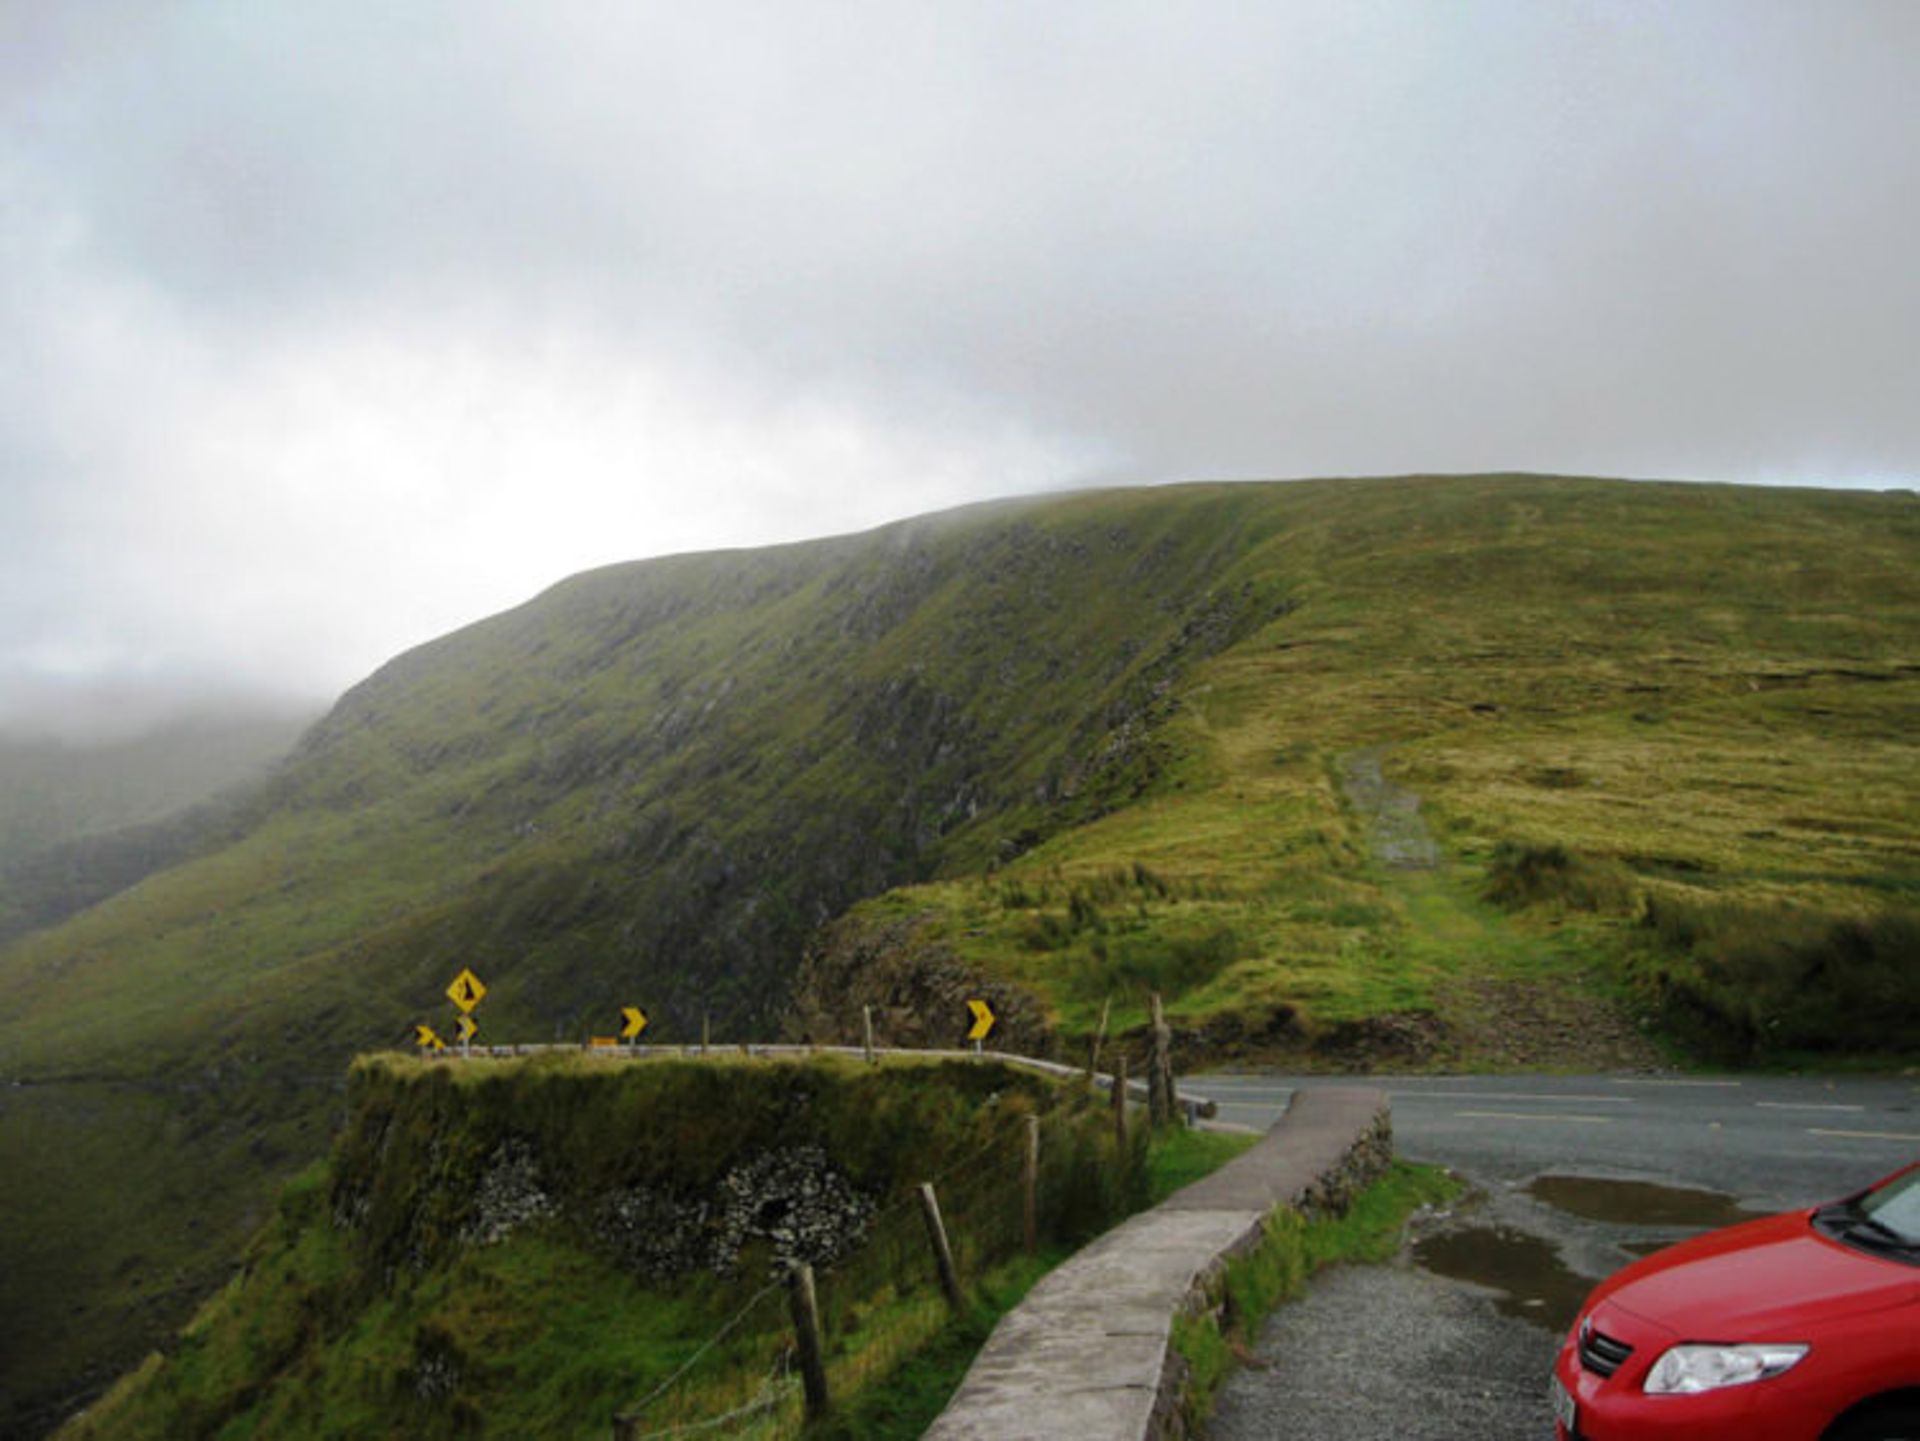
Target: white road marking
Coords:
[[1805, 1106], [1651, 1081], [1532, 1116], [1864, 1135], [1515, 1096]]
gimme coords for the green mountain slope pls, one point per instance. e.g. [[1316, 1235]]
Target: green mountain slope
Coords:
[[81, 821], [52, 792], [1662, 739], [1656, 741]]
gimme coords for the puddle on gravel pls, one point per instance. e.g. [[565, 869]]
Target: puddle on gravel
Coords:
[[1639, 1203], [1535, 1284]]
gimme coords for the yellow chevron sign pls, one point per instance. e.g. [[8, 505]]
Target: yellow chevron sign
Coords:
[[982, 1020], [468, 1028], [427, 1040], [636, 1022]]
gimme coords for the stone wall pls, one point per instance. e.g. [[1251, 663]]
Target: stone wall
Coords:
[[1089, 1353], [1328, 1194]]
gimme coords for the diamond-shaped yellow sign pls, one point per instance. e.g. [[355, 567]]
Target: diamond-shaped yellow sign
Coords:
[[466, 992]]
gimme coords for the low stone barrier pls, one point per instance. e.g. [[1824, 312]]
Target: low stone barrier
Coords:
[[1191, 1106], [1088, 1355]]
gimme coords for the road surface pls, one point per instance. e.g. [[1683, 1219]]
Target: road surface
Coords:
[[1773, 1141], [1418, 1352]]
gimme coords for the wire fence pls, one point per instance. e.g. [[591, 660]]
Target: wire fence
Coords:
[[881, 1300]]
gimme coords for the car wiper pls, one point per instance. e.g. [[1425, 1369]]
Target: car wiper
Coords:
[[1899, 1240], [1847, 1222], [1838, 1217]]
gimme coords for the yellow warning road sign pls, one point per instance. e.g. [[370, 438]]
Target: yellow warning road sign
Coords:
[[636, 1022], [427, 1040], [982, 1020], [469, 1028], [467, 991]]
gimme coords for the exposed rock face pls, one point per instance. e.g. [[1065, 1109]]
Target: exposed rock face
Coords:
[[1399, 832], [916, 985], [795, 1199], [653, 1231], [1253, 1032], [1394, 1038], [1539, 1023], [509, 1195]]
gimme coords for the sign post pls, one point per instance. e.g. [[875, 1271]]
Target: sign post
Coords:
[[466, 992], [636, 1023]]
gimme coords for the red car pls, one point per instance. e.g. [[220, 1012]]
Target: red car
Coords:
[[1801, 1327]]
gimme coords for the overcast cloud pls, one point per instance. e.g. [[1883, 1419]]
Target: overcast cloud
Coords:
[[329, 327]]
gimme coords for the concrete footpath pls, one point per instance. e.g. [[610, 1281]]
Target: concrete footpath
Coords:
[[1088, 1354]]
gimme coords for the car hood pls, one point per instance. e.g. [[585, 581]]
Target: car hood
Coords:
[[1775, 1279]]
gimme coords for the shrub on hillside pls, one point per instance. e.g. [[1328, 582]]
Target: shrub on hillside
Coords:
[[1751, 980], [1521, 874], [1155, 960]]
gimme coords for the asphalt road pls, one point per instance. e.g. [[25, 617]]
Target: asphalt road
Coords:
[[1775, 1142], [1454, 1343]]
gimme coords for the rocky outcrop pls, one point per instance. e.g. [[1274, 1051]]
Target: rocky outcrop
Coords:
[[918, 989], [794, 1198]]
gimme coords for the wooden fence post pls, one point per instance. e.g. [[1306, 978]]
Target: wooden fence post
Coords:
[[1119, 1103], [942, 1252], [806, 1330], [1159, 1070], [1093, 1049], [1169, 1091], [866, 1020], [1031, 1186]]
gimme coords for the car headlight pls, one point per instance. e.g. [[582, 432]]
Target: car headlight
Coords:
[[1687, 1369]]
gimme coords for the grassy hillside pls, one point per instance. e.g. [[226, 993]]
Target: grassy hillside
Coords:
[[1661, 739]]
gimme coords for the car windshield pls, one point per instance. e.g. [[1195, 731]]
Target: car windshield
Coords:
[[1896, 1207]]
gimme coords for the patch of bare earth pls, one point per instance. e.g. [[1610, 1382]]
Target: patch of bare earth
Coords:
[[1535, 1025]]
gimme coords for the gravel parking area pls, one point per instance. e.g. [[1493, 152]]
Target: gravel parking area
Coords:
[[1390, 1353]]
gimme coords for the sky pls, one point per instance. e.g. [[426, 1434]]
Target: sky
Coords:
[[326, 329]]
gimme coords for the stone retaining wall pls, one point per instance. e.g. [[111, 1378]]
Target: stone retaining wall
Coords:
[[1089, 1355]]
